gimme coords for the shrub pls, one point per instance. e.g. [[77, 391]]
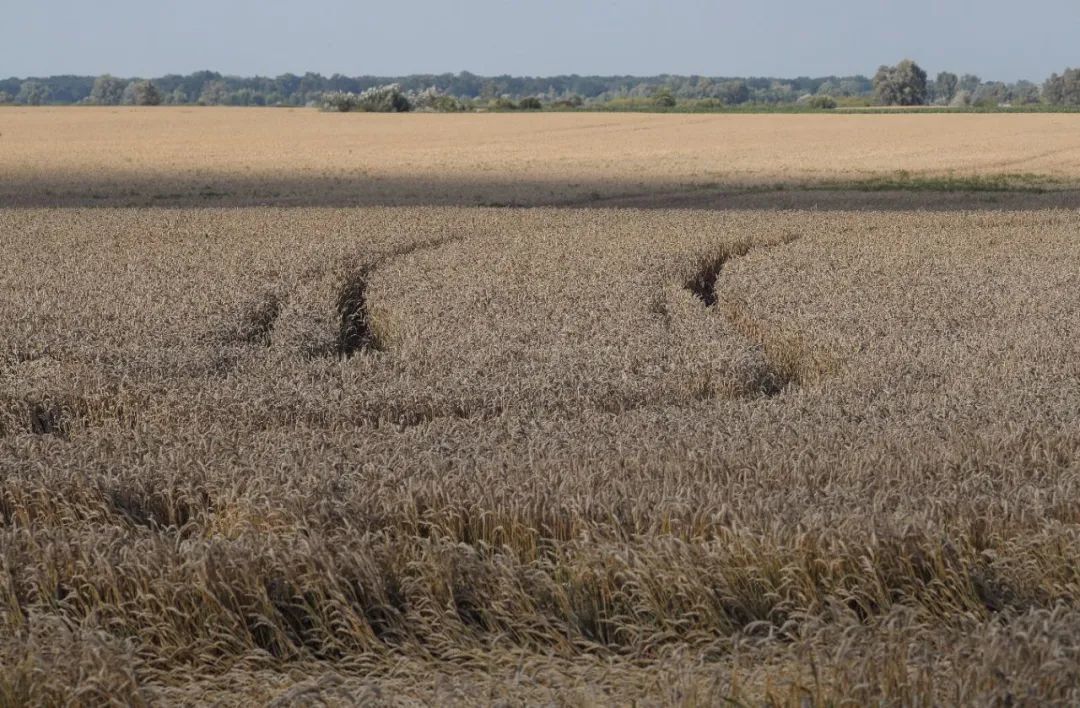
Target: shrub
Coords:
[[664, 99], [432, 99], [571, 101], [449, 104], [853, 102], [379, 99], [530, 103], [384, 99], [338, 101], [821, 102], [502, 103], [710, 104], [961, 99], [5, 97]]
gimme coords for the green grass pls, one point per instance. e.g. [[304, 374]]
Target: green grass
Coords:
[[905, 181], [692, 107], [1034, 108], [646, 106], [900, 181]]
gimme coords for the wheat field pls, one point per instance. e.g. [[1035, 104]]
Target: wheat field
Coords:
[[792, 447], [197, 156]]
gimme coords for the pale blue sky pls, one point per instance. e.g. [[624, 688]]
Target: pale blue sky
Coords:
[[997, 39]]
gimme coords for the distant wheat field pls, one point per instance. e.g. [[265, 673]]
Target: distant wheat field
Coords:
[[227, 156], [805, 432]]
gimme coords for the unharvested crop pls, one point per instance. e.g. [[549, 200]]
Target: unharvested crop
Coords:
[[457, 455], [557, 476], [175, 156]]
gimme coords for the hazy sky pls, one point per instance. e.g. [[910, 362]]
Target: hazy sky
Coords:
[[997, 39]]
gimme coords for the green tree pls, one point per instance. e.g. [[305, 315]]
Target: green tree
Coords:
[[144, 93], [1062, 90], [733, 93], [664, 98], [962, 98], [5, 97], [245, 97], [1024, 93], [827, 88], [214, 93], [945, 86], [311, 86], [378, 99], [107, 91], [901, 85], [992, 94], [33, 93], [530, 103], [854, 86], [969, 82]]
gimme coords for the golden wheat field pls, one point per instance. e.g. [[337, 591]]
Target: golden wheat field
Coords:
[[254, 157], [361, 441]]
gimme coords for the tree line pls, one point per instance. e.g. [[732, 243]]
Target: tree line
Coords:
[[904, 84], [907, 84]]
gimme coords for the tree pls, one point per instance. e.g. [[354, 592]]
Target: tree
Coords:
[[779, 92], [664, 98], [378, 99], [530, 103], [969, 82], [5, 97], [213, 93], [992, 94], [287, 84], [827, 88], [1063, 90], [901, 85], [1024, 93], [33, 93], [945, 86], [107, 91], [733, 93], [144, 93], [246, 97], [855, 86], [961, 99], [311, 86]]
